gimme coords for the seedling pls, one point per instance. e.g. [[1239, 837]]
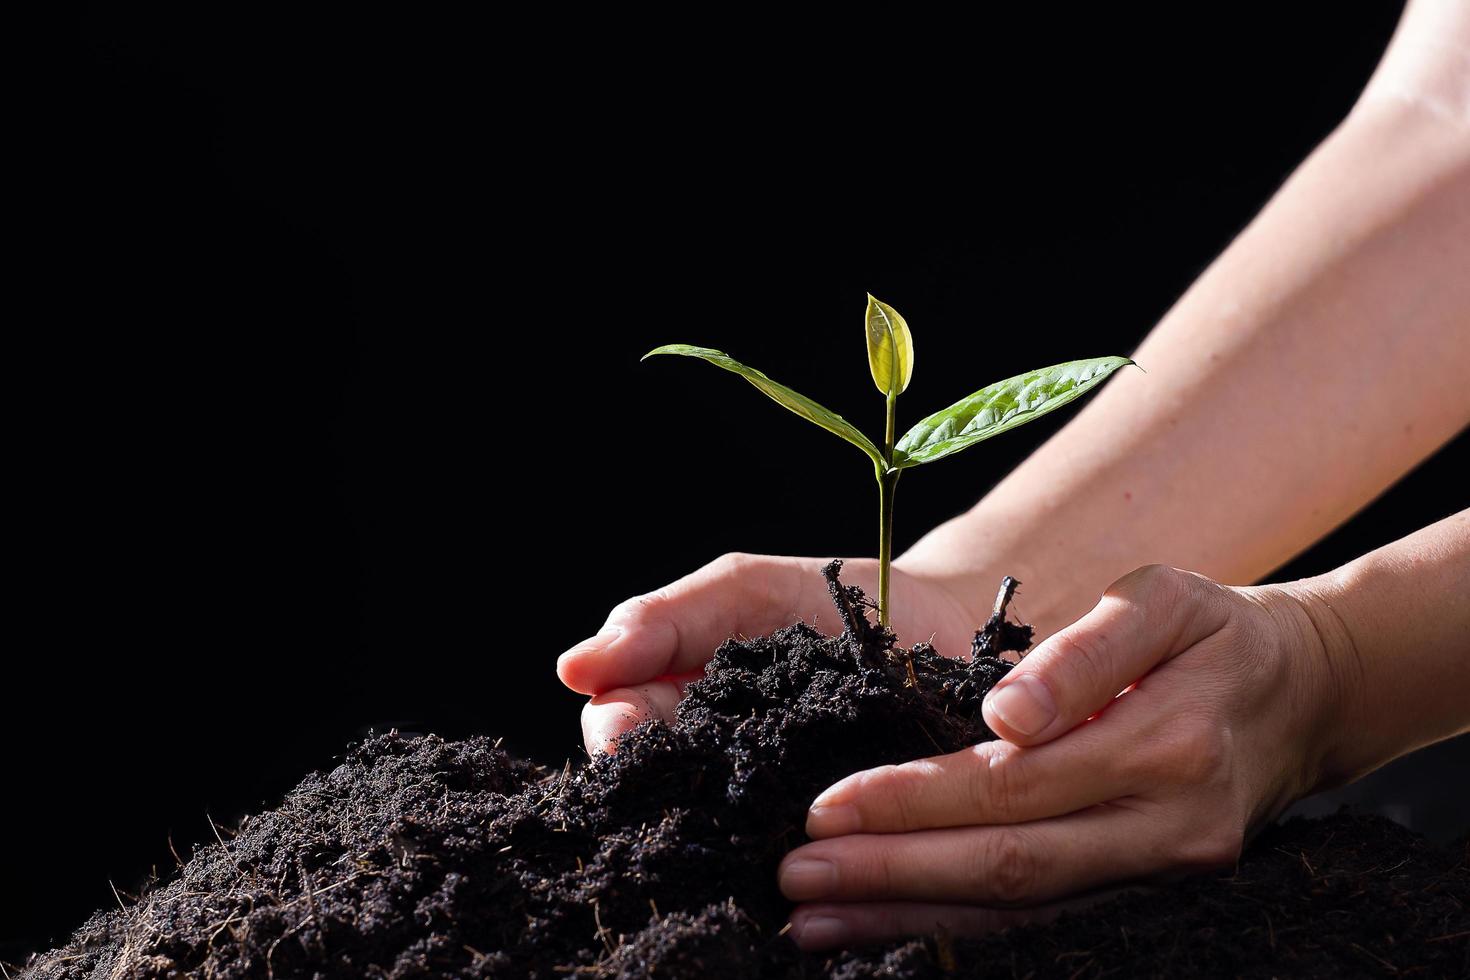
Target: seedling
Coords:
[[988, 412]]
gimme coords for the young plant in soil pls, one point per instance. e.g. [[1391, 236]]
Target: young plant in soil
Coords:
[[420, 859], [994, 409]]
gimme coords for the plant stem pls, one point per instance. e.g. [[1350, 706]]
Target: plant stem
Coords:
[[887, 484]]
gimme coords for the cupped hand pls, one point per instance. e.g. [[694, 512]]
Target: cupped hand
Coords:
[[653, 645], [1150, 738]]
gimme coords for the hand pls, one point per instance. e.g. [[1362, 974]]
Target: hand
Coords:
[[1221, 727], [653, 645]]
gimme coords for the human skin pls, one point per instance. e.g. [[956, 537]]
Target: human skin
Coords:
[[1315, 362], [1318, 359], [1238, 701]]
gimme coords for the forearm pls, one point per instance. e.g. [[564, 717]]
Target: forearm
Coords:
[[1322, 356], [1395, 626]]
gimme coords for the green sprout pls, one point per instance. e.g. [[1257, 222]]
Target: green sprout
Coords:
[[988, 412]]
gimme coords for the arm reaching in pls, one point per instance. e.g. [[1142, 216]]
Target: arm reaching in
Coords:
[[1322, 356], [1239, 701]]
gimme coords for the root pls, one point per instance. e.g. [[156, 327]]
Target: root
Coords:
[[997, 635], [869, 643]]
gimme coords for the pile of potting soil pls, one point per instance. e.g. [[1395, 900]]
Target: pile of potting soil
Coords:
[[420, 858]]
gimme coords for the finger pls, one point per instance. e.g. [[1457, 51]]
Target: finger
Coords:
[[675, 629], [827, 925], [1020, 864], [990, 783], [1144, 618], [608, 716]]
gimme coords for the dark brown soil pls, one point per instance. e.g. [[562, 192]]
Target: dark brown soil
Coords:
[[424, 858]]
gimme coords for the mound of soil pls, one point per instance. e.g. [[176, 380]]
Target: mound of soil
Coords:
[[421, 858]]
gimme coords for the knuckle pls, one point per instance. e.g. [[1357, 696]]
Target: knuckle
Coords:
[[996, 788], [732, 563], [1202, 755], [1193, 582], [1142, 580], [873, 871], [634, 609], [890, 790], [1083, 658], [1007, 866], [1156, 586]]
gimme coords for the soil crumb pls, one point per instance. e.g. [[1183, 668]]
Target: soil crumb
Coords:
[[422, 858]]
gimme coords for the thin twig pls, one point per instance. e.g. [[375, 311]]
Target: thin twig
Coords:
[[1386, 964], [270, 970], [1004, 596], [601, 929], [349, 879], [223, 846], [306, 891]]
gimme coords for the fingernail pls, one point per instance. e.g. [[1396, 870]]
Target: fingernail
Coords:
[[817, 931], [808, 878], [1024, 704], [831, 820]]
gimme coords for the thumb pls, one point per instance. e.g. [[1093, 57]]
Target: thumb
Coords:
[[1147, 617], [674, 630]]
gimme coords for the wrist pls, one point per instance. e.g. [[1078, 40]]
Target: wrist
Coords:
[[1335, 699]]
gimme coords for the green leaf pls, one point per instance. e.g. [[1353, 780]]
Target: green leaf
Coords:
[[890, 347], [999, 407], [798, 403]]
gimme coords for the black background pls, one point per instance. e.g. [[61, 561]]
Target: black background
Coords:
[[334, 418]]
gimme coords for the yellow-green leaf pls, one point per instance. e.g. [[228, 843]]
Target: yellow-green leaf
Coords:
[[890, 347], [782, 395], [1000, 407]]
